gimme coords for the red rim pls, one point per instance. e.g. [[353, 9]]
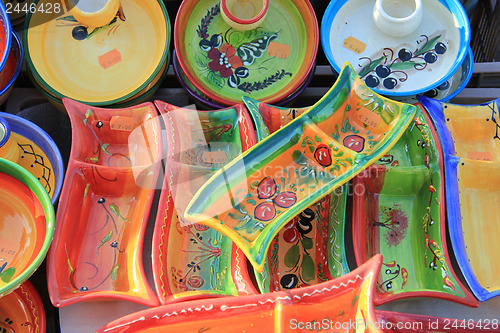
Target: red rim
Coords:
[[240, 21]]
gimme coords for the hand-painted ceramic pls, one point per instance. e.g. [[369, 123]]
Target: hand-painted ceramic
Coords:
[[12, 68], [470, 137], [192, 260], [398, 322], [37, 152], [105, 204], [100, 66], [397, 66], [5, 35], [22, 311], [398, 211], [310, 248], [331, 306], [204, 100], [268, 63], [26, 225], [255, 195]]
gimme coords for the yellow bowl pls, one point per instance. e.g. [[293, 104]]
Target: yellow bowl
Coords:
[[98, 66]]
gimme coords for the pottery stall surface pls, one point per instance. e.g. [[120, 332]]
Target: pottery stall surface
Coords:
[[268, 63], [192, 260], [26, 225], [12, 68], [418, 61], [105, 204], [399, 211], [256, 194], [337, 304], [22, 311], [35, 151], [470, 138], [118, 62], [310, 248]]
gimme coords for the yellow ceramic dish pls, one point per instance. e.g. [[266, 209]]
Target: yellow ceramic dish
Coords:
[[100, 66]]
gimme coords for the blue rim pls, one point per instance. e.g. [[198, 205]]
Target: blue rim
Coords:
[[5, 21], [455, 8], [18, 49], [6, 127], [454, 215], [44, 141], [469, 62]]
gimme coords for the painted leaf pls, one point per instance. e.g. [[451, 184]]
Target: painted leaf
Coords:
[[114, 272], [7, 275], [308, 268], [104, 241], [254, 49], [390, 263], [69, 18], [307, 243], [404, 275], [201, 60], [104, 147], [371, 66], [428, 46], [449, 283], [401, 66], [292, 256], [215, 79]]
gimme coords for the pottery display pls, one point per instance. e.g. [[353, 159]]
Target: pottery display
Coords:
[[336, 304], [22, 311], [26, 225], [398, 48], [115, 62], [470, 138], [34, 150], [256, 194], [105, 204], [267, 63], [399, 211], [12, 68], [192, 260]]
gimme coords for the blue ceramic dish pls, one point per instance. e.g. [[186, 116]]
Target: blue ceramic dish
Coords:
[[463, 76], [44, 142], [369, 48]]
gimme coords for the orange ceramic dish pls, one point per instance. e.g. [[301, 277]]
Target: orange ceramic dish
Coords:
[[22, 311], [104, 206], [341, 305]]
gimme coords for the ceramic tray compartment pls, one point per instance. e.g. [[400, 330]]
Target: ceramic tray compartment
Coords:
[[193, 260], [104, 207], [471, 145], [398, 211], [338, 137]]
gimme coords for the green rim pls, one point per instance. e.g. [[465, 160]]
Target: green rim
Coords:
[[25, 177], [105, 103]]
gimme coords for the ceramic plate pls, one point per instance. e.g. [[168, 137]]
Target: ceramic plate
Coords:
[[268, 63], [192, 260], [22, 311], [255, 195], [470, 136], [26, 225], [101, 66], [105, 204], [38, 154], [335, 304], [397, 66], [398, 211], [310, 248]]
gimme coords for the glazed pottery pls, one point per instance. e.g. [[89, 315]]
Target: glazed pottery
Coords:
[[256, 194], [244, 15], [12, 68], [341, 305], [26, 225], [268, 63], [193, 260], [310, 248], [22, 311], [5, 35], [92, 13], [114, 63], [470, 137], [393, 65], [35, 151], [105, 203], [399, 211]]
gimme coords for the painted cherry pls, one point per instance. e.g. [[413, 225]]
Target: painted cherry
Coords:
[[323, 155], [291, 235], [285, 199], [265, 211], [266, 188], [354, 142]]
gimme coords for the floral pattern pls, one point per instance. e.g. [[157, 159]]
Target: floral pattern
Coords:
[[224, 60]]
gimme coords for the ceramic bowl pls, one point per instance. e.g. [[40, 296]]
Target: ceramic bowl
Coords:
[[22, 311], [299, 164], [224, 65], [11, 69], [37, 152], [115, 63], [27, 225], [397, 65], [244, 15], [470, 137], [5, 35], [94, 13]]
